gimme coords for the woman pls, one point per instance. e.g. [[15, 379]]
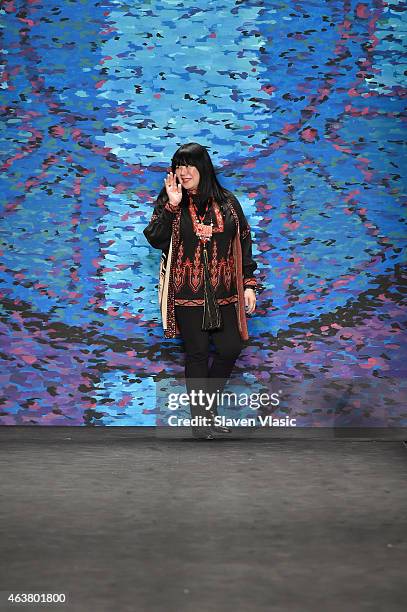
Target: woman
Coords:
[[206, 284]]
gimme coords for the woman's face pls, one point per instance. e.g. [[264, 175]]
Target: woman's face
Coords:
[[188, 176]]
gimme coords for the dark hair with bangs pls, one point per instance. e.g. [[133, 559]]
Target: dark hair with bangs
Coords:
[[194, 154]]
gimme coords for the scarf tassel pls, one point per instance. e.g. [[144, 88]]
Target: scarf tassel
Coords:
[[212, 318]]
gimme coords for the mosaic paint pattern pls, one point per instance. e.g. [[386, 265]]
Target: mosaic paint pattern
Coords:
[[301, 107]]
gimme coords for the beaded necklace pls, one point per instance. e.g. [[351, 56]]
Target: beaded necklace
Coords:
[[203, 231]]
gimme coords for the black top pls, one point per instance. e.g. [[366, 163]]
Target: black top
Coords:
[[188, 269], [188, 264]]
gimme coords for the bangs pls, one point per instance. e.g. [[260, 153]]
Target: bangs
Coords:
[[184, 159]]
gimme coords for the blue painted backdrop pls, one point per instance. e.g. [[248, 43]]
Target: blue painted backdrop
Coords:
[[301, 107]]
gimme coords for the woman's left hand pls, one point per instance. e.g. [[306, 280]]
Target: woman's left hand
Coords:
[[249, 300]]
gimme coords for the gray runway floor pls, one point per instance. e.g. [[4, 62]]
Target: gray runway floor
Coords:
[[141, 524]]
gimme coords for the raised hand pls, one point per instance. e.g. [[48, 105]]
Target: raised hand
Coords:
[[174, 191]]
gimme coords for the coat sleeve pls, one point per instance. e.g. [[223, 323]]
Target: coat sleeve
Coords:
[[249, 265], [158, 231]]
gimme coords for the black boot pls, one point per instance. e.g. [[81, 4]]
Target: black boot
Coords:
[[203, 433], [217, 429]]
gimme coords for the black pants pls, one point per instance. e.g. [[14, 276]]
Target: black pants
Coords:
[[228, 345]]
